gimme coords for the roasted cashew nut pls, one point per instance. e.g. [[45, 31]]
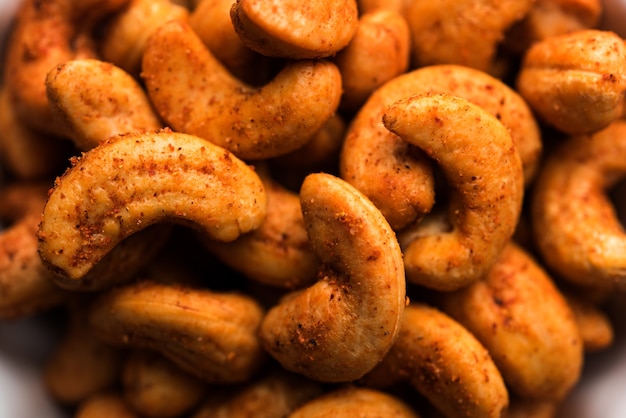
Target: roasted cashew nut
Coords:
[[524, 321], [351, 401], [342, 326], [484, 172], [445, 363], [105, 404], [575, 226], [272, 396], [295, 29], [195, 94], [134, 181], [575, 82], [396, 176], [26, 285], [211, 335], [115, 103], [47, 33]]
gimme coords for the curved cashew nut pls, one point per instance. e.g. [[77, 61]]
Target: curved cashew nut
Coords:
[[26, 285], [193, 93], [133, 181], [156, 387], [595, 325], [484, 171], [453, 32], [126, 33], [342, 326], [293, 29], [48, 33], [116, 103], [275, 395], [396, 176], [211, 335], [351, 401], [524, 321], [576, 82], [445, 363], [378, 52], [574, 223], [277, 253]]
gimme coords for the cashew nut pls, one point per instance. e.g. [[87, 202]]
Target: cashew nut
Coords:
[[575, 226], [575, 82], [26, 285], [133, 181], [115, 103], [396, 176], [484, 171], [208, 334], [155, 387], [351, 401], [524, 321], [105, 405], [195, 94], [295, 29], [342, 326]]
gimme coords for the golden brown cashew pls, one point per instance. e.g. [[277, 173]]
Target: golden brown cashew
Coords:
[[193, 93], [397, 176], [594, 324], [295, 29], [445, 363], [342, 326], [575, 82], [277, 253], [105, 405], [26, 285], [133, 181], [81, 365], [274, 395], [378, 52], [95, 100], [25, 153], [126, 33], [484, 172], [210, 20], [47, 33], [520, 316], [351, 401], [575, 226], [457, 32], [208, 334], [155, 387]]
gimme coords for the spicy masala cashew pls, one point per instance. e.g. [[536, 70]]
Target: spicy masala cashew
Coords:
[[343, 325], [134, 181], [484, 172], [195, 94]]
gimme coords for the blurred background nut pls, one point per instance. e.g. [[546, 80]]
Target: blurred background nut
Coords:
[[127, 31], [26, 285], [131, 182], [378, 51], [466, 32], [209, 334], [155, 387], [575, 82], [445, 363], [575, 226], [295, 29], [195, 94], [520, 316], [339, 328], [351, 401], [47, 33], [273, 395], [105, 404], [95, 100], [484, 173]]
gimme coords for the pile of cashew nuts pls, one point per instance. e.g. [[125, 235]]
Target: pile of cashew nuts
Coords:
[[351, 208]]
